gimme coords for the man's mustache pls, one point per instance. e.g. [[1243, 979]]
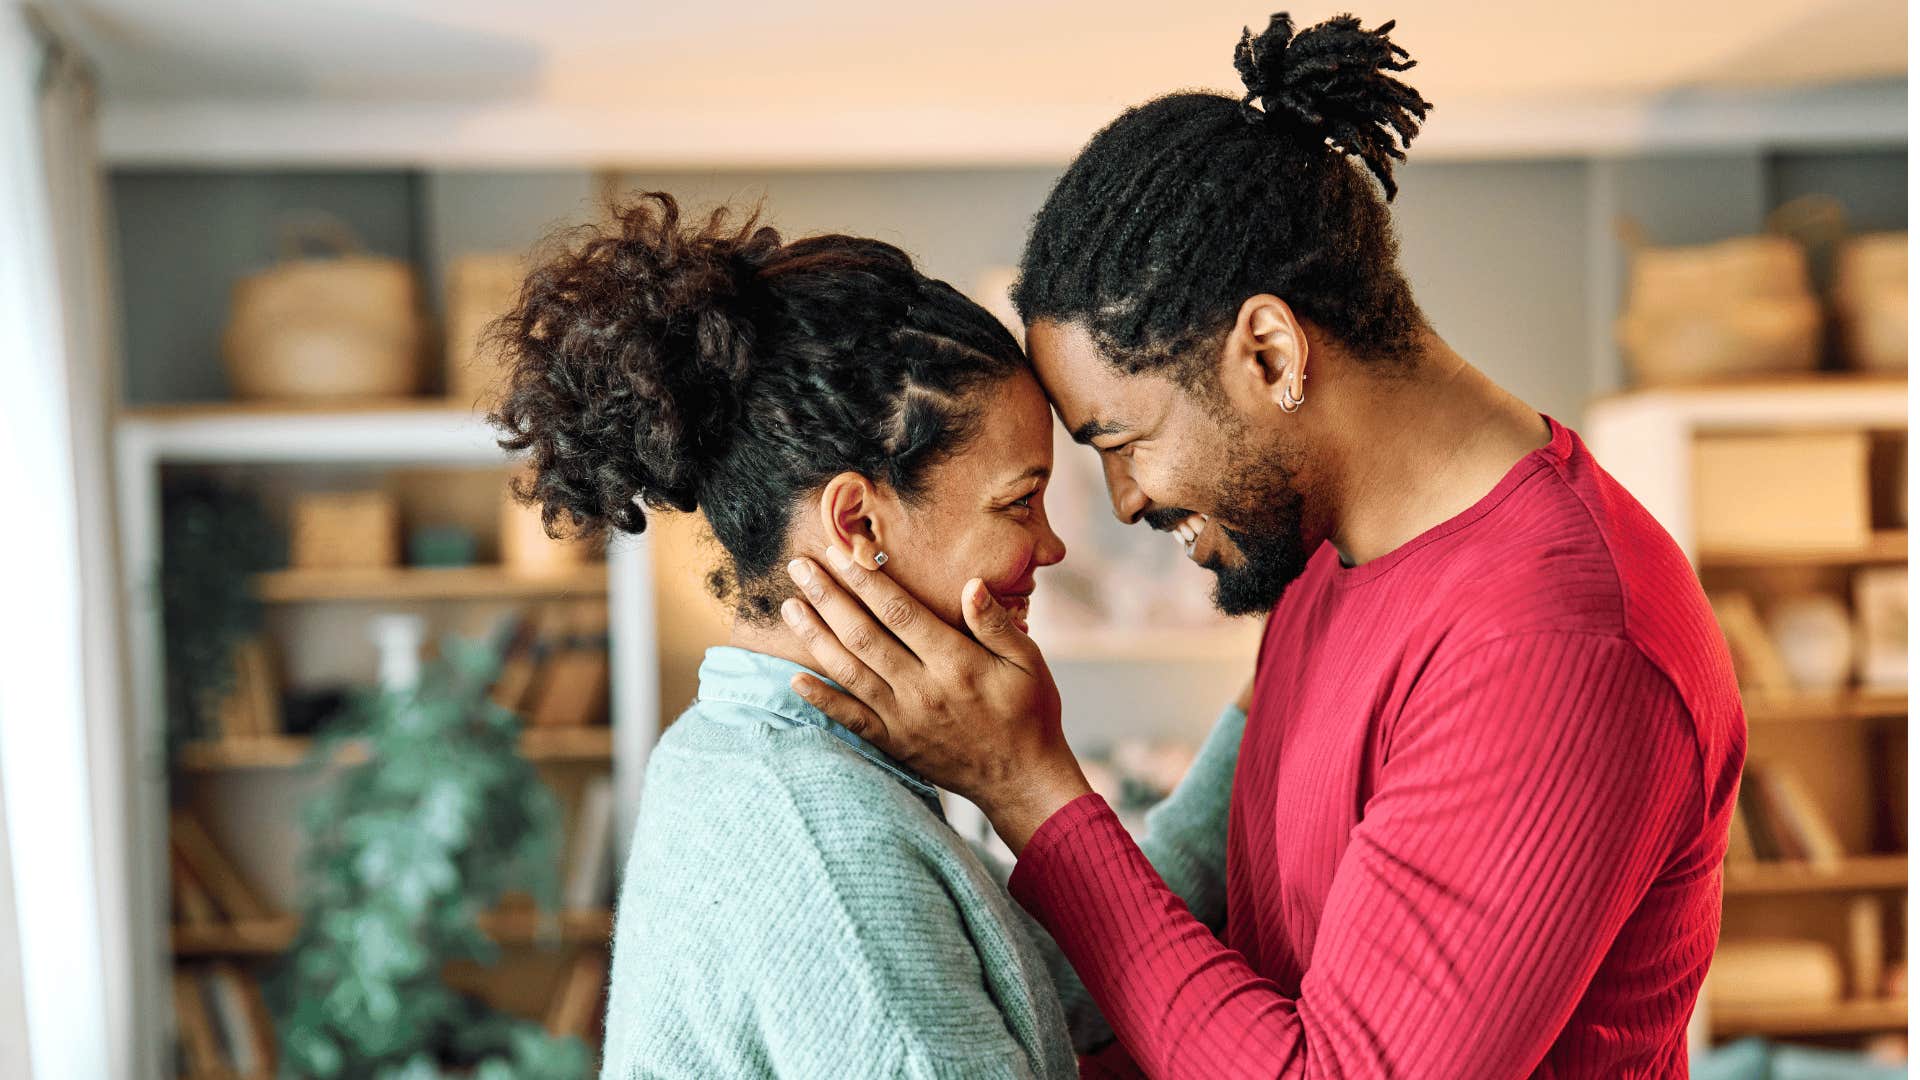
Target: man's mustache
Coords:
[[1165, 520]]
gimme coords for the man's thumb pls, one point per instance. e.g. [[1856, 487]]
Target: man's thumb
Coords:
[[990, 623]]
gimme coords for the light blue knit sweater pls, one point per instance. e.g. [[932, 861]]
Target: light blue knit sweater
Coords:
[[795, 905]]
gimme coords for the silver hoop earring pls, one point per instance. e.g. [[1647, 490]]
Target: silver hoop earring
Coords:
[[879, 559], [1290, 403]]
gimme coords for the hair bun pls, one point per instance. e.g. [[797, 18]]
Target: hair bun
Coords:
[[628, 351], [1331, 81]]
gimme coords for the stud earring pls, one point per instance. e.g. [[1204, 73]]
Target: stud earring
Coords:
[[879, 559]]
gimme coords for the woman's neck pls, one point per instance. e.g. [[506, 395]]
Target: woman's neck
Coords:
[[772, 639]]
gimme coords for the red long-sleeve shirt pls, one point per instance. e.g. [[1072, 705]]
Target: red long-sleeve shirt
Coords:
[[1477, 822]]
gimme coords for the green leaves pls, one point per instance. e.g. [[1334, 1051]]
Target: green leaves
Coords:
[[441, 820]]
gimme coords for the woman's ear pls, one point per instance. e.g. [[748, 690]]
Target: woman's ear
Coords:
[[852, 516], [1266, 352]]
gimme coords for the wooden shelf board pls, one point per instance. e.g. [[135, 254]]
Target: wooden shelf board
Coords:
[[268, 937], [1818, 708], [1835, 1018], [542, 745], [413, 430], [1884, 546], [1860, 873], [425, 583]]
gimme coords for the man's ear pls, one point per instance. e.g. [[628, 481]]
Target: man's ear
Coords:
[[1265, 354], [851, 515]]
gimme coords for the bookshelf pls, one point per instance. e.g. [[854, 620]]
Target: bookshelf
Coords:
[[232, 777], [1838, 747]]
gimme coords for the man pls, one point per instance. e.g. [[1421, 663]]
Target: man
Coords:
[[1482, 796]]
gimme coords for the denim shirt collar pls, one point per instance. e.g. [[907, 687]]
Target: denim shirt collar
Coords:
[[742, 677]]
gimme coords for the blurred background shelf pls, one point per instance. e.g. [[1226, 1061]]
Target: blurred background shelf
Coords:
[[539, 745], [1836, 1018], [426, 583], [1885, 546], [272, 936], [1819, 708], [1859, 873]]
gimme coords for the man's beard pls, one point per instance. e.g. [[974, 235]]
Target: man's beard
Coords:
[[1266, 504]]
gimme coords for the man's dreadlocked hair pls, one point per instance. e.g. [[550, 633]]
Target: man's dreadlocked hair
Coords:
[[1183, 207]]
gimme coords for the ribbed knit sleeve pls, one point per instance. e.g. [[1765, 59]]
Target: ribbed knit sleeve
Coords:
[[1186, 844], [1530, 792]]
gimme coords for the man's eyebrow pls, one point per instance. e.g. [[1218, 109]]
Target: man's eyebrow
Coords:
[[1093, 429]]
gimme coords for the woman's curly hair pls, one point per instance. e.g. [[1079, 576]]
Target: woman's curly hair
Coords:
[[1183, 207], [660, 364]]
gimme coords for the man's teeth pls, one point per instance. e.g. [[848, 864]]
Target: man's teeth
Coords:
[[1190, 529]]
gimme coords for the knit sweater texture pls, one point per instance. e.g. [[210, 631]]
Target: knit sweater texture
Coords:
[[795, 905]]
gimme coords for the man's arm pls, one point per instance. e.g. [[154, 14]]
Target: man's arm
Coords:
[[1186, 844], [1528, 799]]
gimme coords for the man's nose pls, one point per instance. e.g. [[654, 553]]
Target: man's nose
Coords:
[[1129, 502]]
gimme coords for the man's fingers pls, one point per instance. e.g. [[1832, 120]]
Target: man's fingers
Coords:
[[992, 626], [832, 658], [904, 616], [849, 624], [844, 710]]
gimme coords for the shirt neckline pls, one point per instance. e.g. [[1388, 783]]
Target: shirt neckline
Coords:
[[1558, 448], [737, 676]]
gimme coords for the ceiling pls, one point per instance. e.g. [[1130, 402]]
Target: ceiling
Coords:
[[670, 71]]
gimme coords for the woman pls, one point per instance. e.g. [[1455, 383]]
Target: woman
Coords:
[[794, 903]]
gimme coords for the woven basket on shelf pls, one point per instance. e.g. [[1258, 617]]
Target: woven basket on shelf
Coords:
[[346, 326], [1870, 300], [480, 288], [1735, 308]]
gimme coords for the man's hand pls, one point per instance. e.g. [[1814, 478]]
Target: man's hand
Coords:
[[979, 717]]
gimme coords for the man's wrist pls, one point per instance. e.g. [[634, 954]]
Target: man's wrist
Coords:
[[1019, 813]]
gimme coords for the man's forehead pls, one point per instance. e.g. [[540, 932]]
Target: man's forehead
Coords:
[[1071, 371]]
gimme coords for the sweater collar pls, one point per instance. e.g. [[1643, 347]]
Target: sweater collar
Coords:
[[758, 681]]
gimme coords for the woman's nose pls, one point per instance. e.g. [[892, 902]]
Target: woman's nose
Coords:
[[1129, 502], [1051, 548]]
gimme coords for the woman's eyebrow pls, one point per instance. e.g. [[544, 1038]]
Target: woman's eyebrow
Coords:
[[1037, 472]]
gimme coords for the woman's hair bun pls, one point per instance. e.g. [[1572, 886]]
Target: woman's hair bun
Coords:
[[1332, 82], [625, 353]]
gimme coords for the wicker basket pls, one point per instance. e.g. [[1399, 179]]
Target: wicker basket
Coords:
[[1736, 308], [480, 288], [1870, 300], [334, 328]]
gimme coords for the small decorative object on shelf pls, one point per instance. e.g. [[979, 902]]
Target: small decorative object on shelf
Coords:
[[341, 530], [336, 328], [439, 820], [1781, 492], [525, 547], [1815, 639], [1880, 619], [441, 545], [1774, 971]]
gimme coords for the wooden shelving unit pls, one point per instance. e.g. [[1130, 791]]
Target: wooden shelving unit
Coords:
[[409, 583], [1860, 1017], [1828, 708], [1884, 546], [272, 936], [539, 745], [255, 441], [1834, 742], [1859, 873]]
